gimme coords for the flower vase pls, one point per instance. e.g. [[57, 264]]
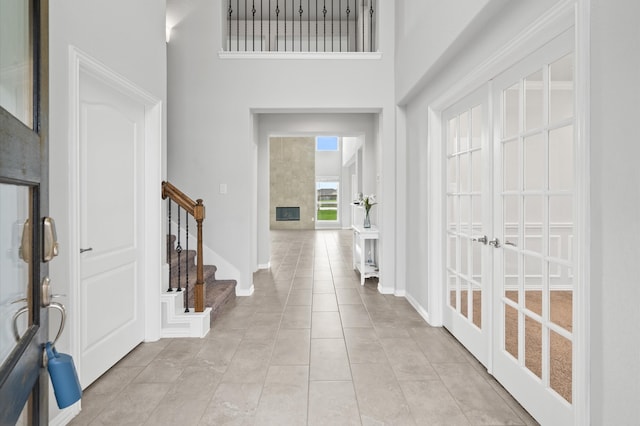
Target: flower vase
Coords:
[[367, 222]]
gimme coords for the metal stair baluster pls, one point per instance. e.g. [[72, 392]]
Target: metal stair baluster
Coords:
[[169, 244], [186, 285], [179, 251]]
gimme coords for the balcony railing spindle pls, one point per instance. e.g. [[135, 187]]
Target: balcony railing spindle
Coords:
[[253, 25], [333, 20], [309, 26], [362, 16], [371, 27], [277, 26], [348, 13], [229, 13], [270, 26], [355, 23], [324, 19]]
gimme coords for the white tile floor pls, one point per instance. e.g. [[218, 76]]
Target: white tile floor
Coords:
[[310, 347]]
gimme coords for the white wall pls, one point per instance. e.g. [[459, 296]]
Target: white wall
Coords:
[[615, 213], [129, 38], [429, 27], [211, 126]]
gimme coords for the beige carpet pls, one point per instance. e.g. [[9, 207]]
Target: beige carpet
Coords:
[[560, 349]]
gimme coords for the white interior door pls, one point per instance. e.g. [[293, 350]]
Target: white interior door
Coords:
[[467, 199], [534, 200], [111, 176]]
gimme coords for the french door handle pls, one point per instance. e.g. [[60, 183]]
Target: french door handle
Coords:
[[482, 239], [495, 243], [87, 249]]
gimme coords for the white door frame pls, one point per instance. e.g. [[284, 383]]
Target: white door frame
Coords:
[[563, 16], [82, 64]]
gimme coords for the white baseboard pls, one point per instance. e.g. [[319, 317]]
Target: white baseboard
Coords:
[[421, 311], [243, 292], [65, 416], [264, 265]]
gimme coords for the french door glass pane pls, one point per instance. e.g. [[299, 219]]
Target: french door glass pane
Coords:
[[477, 306], [561, 227], [464, 172], [452, 136], [561, 174], [476, 126], [15, 265], [511, 337], [465, 214], [464, 131], [533, 346], [476, 171], [560, 368], [464, 301], [16, 64], [511, 275], [510, 166], [511, 218], [561, 296], [533, 222], [534, 162], [533, 284], [452, 174], [533, 90], [511, 103], [476, 262], [453, 252], [453, 290], [561, 101]]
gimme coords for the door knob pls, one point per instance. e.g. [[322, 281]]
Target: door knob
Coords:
[[495, 243], [482, 239]]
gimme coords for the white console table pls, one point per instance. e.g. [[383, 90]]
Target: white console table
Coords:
[[365, 247]]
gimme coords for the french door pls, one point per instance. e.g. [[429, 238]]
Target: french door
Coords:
[[510, 228], [23, 206], [534, 213], [466, 313]]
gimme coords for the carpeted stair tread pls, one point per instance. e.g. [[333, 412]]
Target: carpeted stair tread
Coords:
[[208, 274], [217, 292]]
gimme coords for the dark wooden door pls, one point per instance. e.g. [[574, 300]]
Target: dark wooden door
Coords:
[[23, 207]]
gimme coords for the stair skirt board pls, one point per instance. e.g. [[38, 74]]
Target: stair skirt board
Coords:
[[217, 292], [177, 323]]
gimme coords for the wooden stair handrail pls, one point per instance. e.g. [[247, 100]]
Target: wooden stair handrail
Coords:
[[195, 209]]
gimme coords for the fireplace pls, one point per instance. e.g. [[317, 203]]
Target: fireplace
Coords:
[[287, 214]]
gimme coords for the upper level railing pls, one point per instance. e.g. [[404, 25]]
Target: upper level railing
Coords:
[[301, 26], [196, 210]]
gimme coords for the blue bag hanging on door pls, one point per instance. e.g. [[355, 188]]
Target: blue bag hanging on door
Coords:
[[64, 377]]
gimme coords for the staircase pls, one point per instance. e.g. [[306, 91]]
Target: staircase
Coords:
[[177, 322], [191, 283]]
